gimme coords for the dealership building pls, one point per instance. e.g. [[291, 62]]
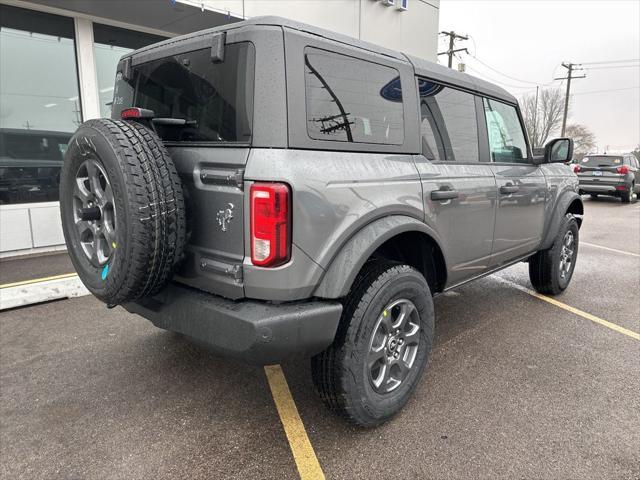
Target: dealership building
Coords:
[[57, 68]]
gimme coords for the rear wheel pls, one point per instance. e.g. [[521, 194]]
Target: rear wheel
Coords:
[[594, 196], [550, 270], [629, 195], [381, 347]]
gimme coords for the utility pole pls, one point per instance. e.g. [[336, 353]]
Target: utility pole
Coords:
[[453, 36], [570, 68]]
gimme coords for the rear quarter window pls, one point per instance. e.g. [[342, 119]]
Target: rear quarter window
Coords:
[[352, 100]]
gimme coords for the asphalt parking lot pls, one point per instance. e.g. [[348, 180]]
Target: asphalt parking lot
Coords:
[[516, 388]]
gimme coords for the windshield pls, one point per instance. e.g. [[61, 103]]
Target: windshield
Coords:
[[601, 161], [214, 99]]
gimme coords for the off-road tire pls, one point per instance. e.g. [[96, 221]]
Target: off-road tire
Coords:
[[339, 373], [544, 266], [149, 209]]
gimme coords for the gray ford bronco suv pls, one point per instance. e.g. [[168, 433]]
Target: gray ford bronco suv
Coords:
[[273, 189]]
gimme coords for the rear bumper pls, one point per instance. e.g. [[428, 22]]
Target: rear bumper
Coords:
[[256, 332], [607, 186], [592, 188]]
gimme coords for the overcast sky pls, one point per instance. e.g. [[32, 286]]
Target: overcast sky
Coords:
[[527, 40]]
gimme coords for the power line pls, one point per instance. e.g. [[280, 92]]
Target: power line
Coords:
[[612, 66], [509, 76], [608, 90], [611, 61], [500, 82]]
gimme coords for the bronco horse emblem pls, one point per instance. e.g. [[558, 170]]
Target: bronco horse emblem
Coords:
[[225, 216]]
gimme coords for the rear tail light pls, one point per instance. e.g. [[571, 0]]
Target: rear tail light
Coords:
[[623, 169], [270, 224], [621, 187], [577, 169]]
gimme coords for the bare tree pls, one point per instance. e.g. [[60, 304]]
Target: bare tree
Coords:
[[543, 117], [584, 141]]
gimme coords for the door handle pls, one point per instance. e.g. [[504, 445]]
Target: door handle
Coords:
[[506, 189], [444, 194]]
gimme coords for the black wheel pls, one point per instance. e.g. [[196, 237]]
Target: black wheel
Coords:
[[122, 210], [381, 347], [594, 196], [629, 195], [550, 270]]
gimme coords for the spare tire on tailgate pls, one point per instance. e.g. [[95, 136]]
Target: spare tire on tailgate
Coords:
[[122, 210]]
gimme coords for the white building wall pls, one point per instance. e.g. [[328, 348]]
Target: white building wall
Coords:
[[413, 31]]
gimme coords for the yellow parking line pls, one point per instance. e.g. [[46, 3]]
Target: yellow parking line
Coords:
[[624, 252], [576, 311], [303, 454], [38, 280]]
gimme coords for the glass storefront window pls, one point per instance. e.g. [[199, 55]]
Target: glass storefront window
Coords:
[[110, 44], [39, 102]]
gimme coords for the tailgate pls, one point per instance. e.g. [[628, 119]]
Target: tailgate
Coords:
[[600, 175], [201, 106], [600, 169], [213, 187]]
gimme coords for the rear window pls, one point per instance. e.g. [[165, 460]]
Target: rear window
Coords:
[[352, 100], [215, 99], [601, 161]]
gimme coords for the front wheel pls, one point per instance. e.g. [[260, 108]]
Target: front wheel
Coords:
[[381, 347], [550, 270]]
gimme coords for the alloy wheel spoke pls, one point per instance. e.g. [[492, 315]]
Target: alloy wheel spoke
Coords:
[[109, 235], [412, 336], [403, 368], [82, 226], [107, 197], [568, 239], [383, 376], [406, 309], [386, 321], [80, 192], [376, 356]]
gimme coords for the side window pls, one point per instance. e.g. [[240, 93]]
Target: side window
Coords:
[[448, 125], [352, 100], [506, 138]]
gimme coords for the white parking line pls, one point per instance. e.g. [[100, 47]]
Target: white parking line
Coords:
[[623, 252], [576, 311]]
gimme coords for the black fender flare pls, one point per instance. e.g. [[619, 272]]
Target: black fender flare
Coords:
[[345, 266], [559, 211]]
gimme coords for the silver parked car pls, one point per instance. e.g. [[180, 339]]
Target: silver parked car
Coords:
[[274, 189], [616, 175]]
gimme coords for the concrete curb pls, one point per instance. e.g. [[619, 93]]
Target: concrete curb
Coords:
[[28, 293]]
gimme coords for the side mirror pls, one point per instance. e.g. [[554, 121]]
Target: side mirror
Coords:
[[558, 150]]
